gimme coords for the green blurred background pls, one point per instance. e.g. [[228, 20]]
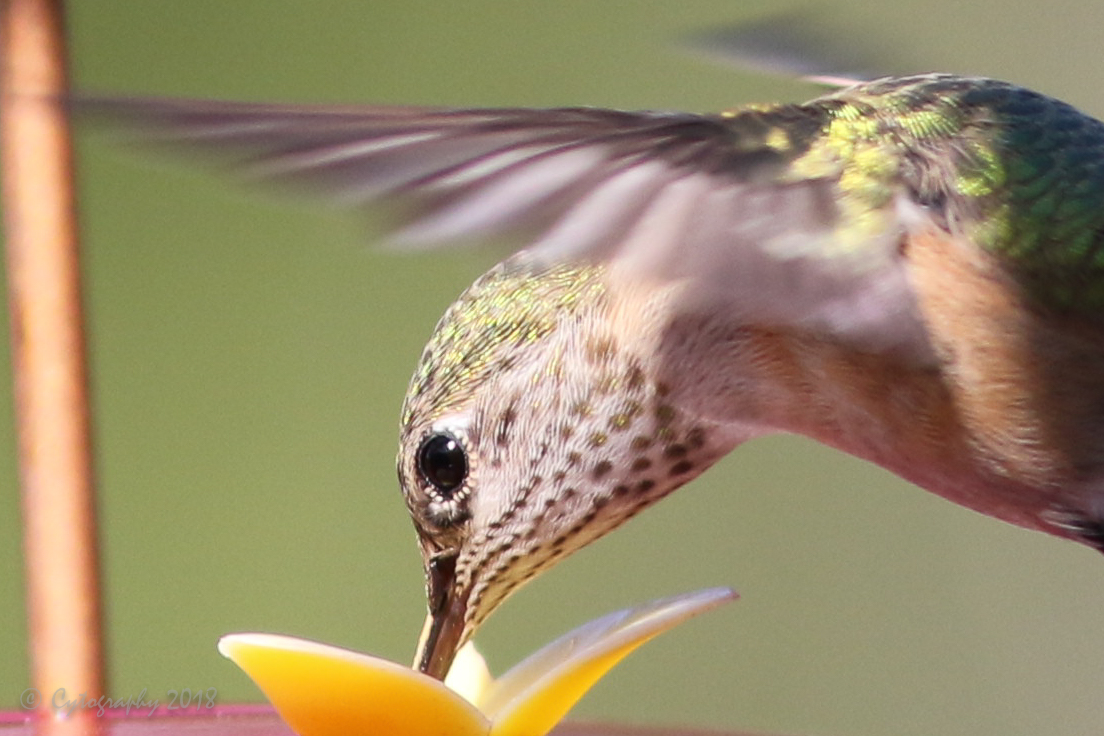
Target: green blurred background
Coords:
[[250, 354]]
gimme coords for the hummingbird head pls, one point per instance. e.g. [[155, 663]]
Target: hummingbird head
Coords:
[[529, 431]]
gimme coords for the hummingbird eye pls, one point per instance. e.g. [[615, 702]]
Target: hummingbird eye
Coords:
[[443, 463]]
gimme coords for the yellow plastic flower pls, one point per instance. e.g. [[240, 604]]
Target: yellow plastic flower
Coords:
[[321, 690]]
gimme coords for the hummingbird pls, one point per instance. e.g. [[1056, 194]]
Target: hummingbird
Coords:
[[909, 269]]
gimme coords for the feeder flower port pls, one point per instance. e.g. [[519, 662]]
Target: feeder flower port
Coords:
[[320, 690]]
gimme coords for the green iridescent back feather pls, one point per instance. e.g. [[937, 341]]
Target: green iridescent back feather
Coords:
[[1018, 173]]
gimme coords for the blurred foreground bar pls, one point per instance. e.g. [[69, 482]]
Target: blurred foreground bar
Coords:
[[260, 720]]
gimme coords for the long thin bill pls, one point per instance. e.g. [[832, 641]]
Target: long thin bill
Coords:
[[440, 639]]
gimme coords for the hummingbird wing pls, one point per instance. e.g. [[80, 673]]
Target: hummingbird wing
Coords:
[[742, 206], [798, 44]]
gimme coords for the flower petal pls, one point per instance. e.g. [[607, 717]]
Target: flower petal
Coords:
[[534, 695], [469, 676], [321, 690]]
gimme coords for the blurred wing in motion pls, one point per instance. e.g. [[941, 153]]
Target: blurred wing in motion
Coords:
[[806, 44], [711, 199]]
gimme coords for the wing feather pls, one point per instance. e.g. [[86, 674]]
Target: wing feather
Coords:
[[710, 199]]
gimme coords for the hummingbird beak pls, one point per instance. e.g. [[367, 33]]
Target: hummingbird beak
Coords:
[[444, 622]]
